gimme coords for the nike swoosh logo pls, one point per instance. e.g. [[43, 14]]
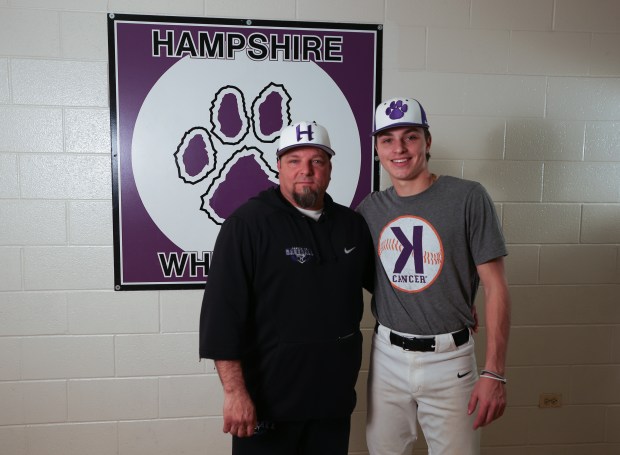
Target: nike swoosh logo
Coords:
[[459, 375], [348, 250]]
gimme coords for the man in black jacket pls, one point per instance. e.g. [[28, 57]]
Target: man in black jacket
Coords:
[[282, 307]]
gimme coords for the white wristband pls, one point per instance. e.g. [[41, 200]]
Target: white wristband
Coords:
[[488, 376]]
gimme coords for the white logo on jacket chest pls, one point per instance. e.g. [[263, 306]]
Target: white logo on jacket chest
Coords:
[[299, 254]]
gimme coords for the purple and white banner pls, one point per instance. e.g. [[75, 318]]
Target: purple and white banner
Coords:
[[196, 109]]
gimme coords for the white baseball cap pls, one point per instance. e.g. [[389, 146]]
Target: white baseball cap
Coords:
[[399, 112], [304, 134]]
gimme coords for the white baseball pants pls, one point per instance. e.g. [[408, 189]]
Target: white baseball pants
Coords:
[[432, 388]]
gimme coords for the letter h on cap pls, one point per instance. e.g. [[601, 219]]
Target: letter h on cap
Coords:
[[300, 133]]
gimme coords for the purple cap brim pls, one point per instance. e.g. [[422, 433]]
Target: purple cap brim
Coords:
[[397, 125], [327, 150]]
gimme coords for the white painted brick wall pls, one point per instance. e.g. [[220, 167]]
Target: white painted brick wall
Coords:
[[470, 138], [59, 82], [30, 129], [602, 141], [522, 95], [265, 9], [536, 139], [522, 264], [589, 98], [33, 222], [87, 131], [428, 13], [84, 36], [541, 223], [17, 37], [4, 81], [92, 400], [31, 402], [64, 268], [180, 311], [605, 54], [11, 277], [601, 223], [158, 354], [40, 313], [590, 16], [514, 181], [190, 396], [8, 176], [73, 439], [530, 51], [109, 312], [468, 50], [531, 15], [57, 357], [582, 182], [577, 264], [90, 223], [166, 436]]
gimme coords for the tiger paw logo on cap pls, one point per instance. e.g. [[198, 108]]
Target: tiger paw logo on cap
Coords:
[[397, 112], [397, 109]]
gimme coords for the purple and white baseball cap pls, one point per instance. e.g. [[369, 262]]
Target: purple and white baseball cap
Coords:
[[304, 134], [399, 112]]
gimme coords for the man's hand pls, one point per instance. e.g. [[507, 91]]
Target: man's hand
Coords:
[[489, 396], [239, 410], [239, 414]]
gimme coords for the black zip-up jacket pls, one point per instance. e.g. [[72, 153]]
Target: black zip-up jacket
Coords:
[[284, 296]]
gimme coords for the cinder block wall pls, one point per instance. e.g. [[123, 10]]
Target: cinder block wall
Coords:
[[522, 95]]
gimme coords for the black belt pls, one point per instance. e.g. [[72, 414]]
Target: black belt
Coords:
[[426, 344]]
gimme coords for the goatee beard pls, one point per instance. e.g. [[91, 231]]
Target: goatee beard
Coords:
[[307, 199]]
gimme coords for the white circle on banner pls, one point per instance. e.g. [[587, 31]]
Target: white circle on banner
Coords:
[[181, 99], [411, 253]]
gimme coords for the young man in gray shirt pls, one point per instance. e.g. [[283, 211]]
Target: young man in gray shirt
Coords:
[[436, 238]]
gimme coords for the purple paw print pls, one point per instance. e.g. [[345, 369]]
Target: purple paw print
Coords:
[[233, 172], [396, 110]]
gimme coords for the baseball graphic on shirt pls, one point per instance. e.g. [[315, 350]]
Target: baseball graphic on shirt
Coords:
[[411, 253]]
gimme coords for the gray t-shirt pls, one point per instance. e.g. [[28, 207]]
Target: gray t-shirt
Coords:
[[428, 246]]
